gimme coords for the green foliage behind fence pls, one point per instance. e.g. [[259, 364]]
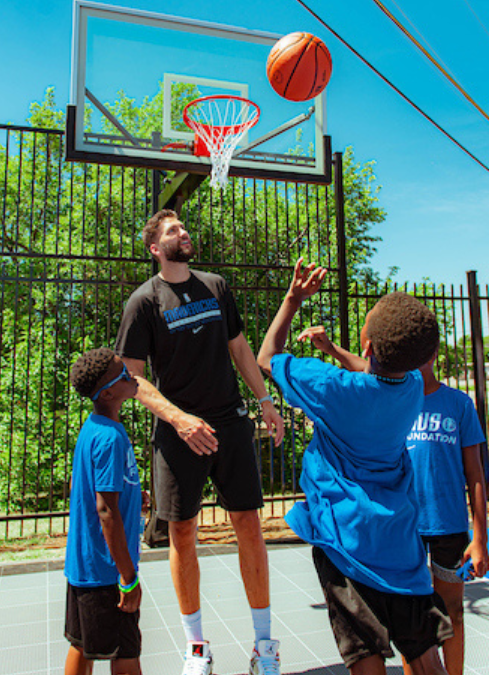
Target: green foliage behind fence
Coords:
[[72, 253]]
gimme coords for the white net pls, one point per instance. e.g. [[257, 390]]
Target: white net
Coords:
[[221, 121]]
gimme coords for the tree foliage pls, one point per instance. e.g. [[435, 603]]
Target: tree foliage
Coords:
[[72, 253]]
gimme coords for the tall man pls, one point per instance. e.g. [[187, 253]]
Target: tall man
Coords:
[[186, 322]]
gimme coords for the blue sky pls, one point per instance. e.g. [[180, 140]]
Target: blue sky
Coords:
[[436, 198]]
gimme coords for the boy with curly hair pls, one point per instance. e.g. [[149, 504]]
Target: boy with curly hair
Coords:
[[444, 446], [360, 512], [102, 553]]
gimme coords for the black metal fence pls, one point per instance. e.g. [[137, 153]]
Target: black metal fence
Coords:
[[72, 254]]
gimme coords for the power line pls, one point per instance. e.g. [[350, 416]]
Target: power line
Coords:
[[393, 86], [432, 60], [433, 50], [476, 16]]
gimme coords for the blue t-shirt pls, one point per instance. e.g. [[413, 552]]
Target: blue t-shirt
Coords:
[[447, 424], [104, 461], [360, 504]]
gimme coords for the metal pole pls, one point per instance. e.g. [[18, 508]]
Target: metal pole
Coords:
[[341, 249], [155, 528], [478, 357], [155, 195]]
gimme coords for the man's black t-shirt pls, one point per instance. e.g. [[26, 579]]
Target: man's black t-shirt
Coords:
[[184, 330]]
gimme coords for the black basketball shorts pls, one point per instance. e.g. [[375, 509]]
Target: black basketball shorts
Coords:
[[365, 621], [180, 474], [95, 623], [446, 553]]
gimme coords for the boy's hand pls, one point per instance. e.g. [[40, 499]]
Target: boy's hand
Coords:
[[318, 337], [306, 282], [480, 559], [130, 602]]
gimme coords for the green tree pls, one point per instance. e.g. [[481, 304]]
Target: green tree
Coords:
[[73, 253]]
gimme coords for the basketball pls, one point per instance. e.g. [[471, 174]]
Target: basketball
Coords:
[[299, 66]]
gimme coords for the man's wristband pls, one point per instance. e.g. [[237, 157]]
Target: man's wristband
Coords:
[[266, 398], [130, 587]]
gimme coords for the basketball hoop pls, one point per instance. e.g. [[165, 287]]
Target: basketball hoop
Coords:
[[219, 122]]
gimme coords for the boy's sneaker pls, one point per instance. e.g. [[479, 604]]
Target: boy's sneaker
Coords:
[[265, 659], [198, 659]]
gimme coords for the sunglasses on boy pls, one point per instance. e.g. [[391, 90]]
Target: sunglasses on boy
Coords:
[[124, 375]]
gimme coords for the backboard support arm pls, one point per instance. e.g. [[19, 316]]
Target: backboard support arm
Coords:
[[112, 119], [276, 132]]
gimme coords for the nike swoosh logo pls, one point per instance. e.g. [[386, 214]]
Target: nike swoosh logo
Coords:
[[410, 447], [196, 330]]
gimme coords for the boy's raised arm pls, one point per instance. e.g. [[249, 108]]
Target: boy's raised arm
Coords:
[[321, 341], [304, 284]]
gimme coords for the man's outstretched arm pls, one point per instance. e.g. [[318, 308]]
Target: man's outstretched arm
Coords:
[[194, 431]]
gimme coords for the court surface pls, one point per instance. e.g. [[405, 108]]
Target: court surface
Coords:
[[32, 611]]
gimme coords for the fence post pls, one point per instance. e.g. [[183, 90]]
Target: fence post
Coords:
[[156, 530], [155, 201], [478, 356], [341, 249]]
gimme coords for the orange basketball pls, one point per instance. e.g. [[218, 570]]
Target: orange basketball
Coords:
[[299, 66]]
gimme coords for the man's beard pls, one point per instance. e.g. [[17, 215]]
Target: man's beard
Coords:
[[175, 253]]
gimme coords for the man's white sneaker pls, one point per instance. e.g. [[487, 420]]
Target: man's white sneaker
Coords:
[[198, 659], [265, 659]]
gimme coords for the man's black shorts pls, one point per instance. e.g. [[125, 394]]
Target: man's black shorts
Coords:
[[98, 626], [180, 474], [365, 621]]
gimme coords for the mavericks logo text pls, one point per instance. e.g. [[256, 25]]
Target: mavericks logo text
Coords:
[[193, 315], [432, 427]]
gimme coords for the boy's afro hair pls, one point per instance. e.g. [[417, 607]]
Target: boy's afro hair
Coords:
[[89, 369], [403, 331]]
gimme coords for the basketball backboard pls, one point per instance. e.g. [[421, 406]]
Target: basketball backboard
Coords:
[[134, 71]]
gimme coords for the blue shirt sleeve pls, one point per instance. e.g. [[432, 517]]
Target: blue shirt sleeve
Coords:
[[470, 428], [303, 382], [108, 464]]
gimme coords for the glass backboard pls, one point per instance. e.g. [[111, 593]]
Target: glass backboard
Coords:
[[134, 71]]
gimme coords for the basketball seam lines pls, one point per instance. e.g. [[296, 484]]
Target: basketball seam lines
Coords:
[[297, 63], [314, 82], [279, 54]]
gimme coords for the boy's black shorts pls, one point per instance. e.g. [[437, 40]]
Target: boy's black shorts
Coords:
[[446, 552], [98, 626], [180, 475], [365, 620]]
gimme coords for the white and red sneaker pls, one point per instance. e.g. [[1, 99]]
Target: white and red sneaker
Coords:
[[198, 659], [265, 659]]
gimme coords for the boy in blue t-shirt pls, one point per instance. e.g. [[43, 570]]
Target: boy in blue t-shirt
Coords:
[[360, 512], [102, 553], [445, 451], [444, 448]]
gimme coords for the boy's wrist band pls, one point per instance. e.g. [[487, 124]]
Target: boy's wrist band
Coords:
[[130, 587], [266, 398]]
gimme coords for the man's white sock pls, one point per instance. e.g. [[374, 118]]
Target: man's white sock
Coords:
[[192, 625], [262, 622]]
